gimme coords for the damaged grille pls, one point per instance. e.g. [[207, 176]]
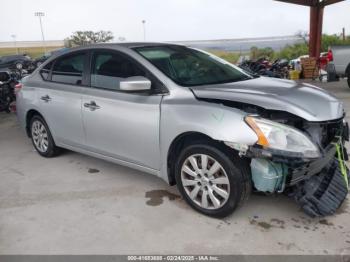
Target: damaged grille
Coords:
[[323, 133]]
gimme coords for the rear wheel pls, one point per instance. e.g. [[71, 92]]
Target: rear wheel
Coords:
[[210, 180], [41, 137], [348, 75]]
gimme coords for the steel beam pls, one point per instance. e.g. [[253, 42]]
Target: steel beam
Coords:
[[330, 2], [298, 2], [311, 2]]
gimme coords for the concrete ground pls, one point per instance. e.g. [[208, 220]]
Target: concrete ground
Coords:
[[75, 204]]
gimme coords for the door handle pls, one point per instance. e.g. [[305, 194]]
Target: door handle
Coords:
[[92, 106], [46, 98]]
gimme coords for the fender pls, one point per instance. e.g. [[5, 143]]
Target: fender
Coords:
[[217, 121]]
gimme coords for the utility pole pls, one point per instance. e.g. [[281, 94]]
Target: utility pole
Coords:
[[15, 43], [144, 29], [41, 14], [343, 33]]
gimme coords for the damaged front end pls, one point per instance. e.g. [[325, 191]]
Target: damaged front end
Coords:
[[301, 133], [305, 160]]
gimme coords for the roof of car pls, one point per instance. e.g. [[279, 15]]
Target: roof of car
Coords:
[[139, 44], [128, 44], [110, 45]]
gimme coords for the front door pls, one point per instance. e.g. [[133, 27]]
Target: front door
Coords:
[[119, 124]]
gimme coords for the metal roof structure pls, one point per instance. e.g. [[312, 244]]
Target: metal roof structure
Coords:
[[316, 21], [312, 2]]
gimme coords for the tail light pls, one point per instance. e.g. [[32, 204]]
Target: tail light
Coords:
[[18, 87]]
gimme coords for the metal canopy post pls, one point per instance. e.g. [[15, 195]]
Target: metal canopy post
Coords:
[[316, 22], [315, 38]]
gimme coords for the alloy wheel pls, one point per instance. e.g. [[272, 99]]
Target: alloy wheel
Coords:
[[40, 136], [205, 181]]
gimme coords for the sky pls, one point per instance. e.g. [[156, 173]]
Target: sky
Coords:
[[166, 20]]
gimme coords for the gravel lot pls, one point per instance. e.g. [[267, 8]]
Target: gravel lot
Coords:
[[75, 204]]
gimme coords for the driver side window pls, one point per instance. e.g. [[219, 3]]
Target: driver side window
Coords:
[[108, 69]]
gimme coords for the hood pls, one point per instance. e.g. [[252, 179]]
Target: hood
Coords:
[[304, 100]]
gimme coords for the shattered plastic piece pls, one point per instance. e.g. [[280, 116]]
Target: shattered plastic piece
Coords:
[[324, 193]]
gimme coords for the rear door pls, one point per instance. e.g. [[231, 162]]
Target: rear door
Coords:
[[61, 102], [121, 124]]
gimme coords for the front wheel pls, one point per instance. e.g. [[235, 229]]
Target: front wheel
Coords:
[[212, 181], [348, 78]]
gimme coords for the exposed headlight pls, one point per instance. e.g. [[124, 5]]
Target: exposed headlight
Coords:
[[282, 137]]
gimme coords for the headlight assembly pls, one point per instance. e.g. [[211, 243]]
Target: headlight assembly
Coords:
[[277, 136]]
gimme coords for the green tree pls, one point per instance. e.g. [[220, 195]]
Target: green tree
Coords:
[[293, 51], [299, 49], [80, 38], [331, 40], [256, 53]]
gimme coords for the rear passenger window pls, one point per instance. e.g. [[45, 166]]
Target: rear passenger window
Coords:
[[69, 70], [45, 72], [108, 69]]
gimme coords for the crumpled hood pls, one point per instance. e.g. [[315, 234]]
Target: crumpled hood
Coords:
[[304, 100]]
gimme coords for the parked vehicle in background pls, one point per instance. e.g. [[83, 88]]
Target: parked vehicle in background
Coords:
[[38, 61], [193, 119], [339, 57], [15, 62], [7, 90]]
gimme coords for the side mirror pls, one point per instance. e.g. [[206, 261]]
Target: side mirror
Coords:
[[135, 83]]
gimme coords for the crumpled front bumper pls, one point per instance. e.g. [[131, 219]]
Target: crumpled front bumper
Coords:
[[323, 193], [308, 169], [299, 168], [319, 186]]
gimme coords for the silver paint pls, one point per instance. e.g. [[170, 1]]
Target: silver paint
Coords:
[[137, 130]]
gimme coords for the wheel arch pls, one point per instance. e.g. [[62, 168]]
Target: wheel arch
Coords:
[[347, 71], [180, 142], [29, 115]]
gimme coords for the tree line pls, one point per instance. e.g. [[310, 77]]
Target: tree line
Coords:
[[294, 51]]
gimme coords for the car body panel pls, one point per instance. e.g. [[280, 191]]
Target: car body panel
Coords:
[[182, 114], [126, 126], [63, 112], [341, 59], [64, 107], [304, 100]]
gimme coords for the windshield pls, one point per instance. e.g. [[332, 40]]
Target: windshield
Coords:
[[190, 67]]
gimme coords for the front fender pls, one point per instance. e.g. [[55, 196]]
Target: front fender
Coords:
[[217, 121]]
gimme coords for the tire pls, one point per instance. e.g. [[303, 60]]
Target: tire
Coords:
[[41, 137], [348, 75], [234, 175]]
